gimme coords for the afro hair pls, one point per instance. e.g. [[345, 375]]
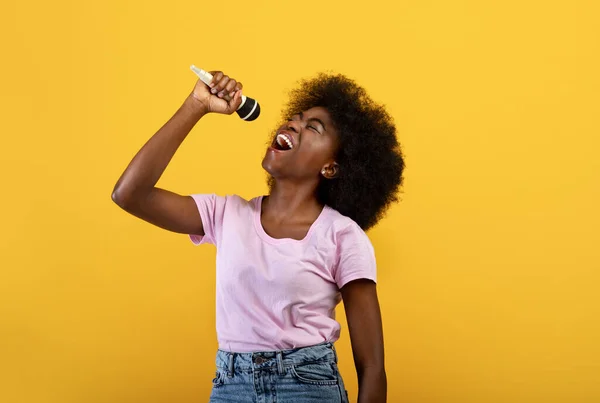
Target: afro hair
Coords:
[[369, 156]]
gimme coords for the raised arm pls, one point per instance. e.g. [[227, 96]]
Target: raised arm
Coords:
[[136, 190]]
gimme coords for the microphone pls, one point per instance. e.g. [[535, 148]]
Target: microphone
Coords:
[[249, 108]]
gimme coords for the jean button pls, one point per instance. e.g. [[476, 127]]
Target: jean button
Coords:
[[259, 360]]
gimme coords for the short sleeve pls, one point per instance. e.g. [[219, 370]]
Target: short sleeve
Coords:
[[356, 256], [211, 208]]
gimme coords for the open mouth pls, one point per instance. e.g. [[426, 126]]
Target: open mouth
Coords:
[[283, 142]]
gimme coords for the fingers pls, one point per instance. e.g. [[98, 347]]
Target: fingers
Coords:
[[236, 101], [217, 75], [222, 85], [230, 87]]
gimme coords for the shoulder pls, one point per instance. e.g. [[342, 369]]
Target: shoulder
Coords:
[[224, 199], [345, 231], [222, 205], [354, 256], [239, 200]]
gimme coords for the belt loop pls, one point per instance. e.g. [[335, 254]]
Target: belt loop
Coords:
[[334, 352], [230, 368], [280, 363]]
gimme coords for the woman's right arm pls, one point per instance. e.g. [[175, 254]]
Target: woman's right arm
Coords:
[[136, 190]]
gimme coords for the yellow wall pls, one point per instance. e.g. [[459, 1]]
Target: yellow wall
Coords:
[[489, 268]]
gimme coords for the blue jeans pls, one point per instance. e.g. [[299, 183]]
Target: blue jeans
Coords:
[[302, 375]]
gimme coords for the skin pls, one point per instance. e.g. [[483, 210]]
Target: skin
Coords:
[[288, 212]]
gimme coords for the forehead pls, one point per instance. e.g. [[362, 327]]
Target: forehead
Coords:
[[317, 112]]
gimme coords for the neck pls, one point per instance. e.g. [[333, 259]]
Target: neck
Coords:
[[290, 202]]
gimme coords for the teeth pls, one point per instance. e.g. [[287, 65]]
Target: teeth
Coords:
[[283, 138]]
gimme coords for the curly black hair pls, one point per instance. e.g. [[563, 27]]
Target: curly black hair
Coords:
[[369, 157]]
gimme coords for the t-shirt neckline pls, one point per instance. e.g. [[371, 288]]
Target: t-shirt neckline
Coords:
[[267, 238]]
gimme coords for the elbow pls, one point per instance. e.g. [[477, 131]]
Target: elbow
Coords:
[[121, 197], [129, 196]]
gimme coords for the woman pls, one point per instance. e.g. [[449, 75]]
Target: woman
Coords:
[[284, 261]]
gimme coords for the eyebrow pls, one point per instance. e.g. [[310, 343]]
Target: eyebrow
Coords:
[[315, 119]]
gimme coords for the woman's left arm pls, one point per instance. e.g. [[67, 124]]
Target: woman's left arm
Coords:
[[366, 335]]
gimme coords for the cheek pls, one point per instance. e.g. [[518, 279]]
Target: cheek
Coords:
[[317, 153]]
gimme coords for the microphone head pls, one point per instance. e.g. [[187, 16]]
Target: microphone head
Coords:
[[249, 110]]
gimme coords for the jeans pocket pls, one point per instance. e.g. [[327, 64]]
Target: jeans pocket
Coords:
[[315, 374]]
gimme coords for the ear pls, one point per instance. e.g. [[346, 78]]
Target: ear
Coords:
[[330, 171]]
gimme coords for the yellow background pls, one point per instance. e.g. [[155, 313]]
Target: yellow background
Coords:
[[488, 269]]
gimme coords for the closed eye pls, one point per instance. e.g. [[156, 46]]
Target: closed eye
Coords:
[[314, 128]]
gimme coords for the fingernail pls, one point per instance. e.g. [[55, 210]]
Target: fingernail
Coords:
[[221, 95], [211, 85], [231, 94], [213, 91]]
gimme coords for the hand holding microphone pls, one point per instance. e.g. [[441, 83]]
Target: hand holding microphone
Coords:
[[220, 93]]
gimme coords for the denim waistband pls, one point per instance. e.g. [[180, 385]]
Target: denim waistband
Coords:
[[248, 362]]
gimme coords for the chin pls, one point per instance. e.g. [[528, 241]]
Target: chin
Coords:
[[268, 166], [272, 169]]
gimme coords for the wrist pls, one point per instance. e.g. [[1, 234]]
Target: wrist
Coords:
[[195, 106]]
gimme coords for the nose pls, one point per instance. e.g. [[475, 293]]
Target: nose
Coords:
[[294, 125]]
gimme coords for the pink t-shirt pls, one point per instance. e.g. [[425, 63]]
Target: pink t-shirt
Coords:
[[276, 294]]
